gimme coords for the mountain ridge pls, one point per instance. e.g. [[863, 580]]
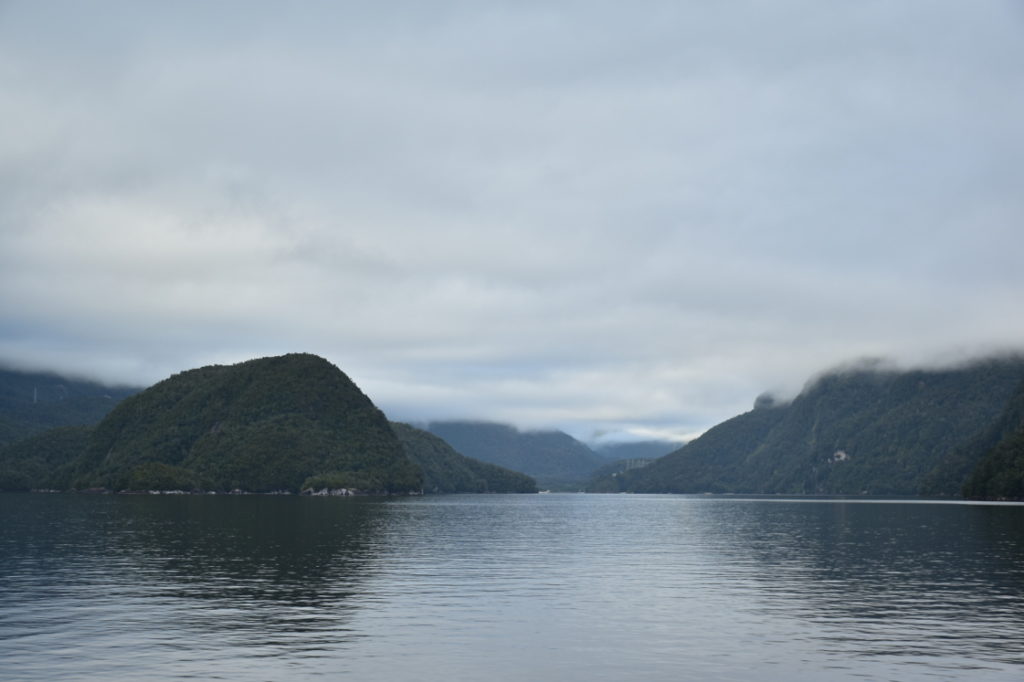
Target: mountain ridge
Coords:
[[277, 424], [447, 471], [554, 458], [33, 401], [851, 431]]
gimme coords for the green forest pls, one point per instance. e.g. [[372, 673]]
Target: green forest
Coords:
[[296, 422], [32, 402], [281, 424], [860, 432]]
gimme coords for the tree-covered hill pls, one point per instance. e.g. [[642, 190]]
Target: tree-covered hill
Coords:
[[283, 423], [274, 423], [859, 431], [446, 471], [712, 463], [555, 459], [32, 402]]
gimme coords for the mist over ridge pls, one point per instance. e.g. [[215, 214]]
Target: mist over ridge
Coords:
[[641, 222], [622, 431]]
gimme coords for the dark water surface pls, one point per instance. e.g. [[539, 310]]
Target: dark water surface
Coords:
[[531, 587]]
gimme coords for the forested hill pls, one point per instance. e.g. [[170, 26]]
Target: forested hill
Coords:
[[281, 423], [447, 471], [555, 459], [861, 431], [32, 402], [274, 423]]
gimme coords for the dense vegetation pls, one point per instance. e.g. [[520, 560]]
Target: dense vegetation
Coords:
[[861, 431], [280, 423], [32, 402], [999, 473], [43, 461], [446, 471], [286, 423], [555, 459], [296, 422], [707, 464]]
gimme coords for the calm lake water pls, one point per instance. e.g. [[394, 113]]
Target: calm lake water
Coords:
[[531, 587]]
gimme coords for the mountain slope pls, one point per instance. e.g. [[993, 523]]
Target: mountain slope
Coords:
[[999, 472], [32, 402], [861, 431], [644, 449], [710, 463], [446, 471], [553, 458], [273, 423], [43, 461]]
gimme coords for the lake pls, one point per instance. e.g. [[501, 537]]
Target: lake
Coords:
[[522, 587]]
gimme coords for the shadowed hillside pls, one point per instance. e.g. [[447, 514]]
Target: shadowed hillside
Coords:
[[553, 458], [999, 472], [860, 431], [280, 423], [446, 471], [32, 402]]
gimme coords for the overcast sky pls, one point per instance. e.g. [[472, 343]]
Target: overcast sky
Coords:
[[598, 216]]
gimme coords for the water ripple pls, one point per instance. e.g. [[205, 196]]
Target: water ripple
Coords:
[[564, 587]]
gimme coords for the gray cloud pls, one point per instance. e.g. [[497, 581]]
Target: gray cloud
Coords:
[[572, 214]]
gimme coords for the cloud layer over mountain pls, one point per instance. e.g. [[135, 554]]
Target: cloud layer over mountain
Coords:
[[580, 214]]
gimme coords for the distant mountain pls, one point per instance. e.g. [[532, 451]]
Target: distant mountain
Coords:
[[605, 478], [32, 402], [446, 471], [860, 431], [712, 463], [555, 459], [643, 449]]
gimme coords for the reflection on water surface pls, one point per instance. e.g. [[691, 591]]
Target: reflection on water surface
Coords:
[[567, 587]]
